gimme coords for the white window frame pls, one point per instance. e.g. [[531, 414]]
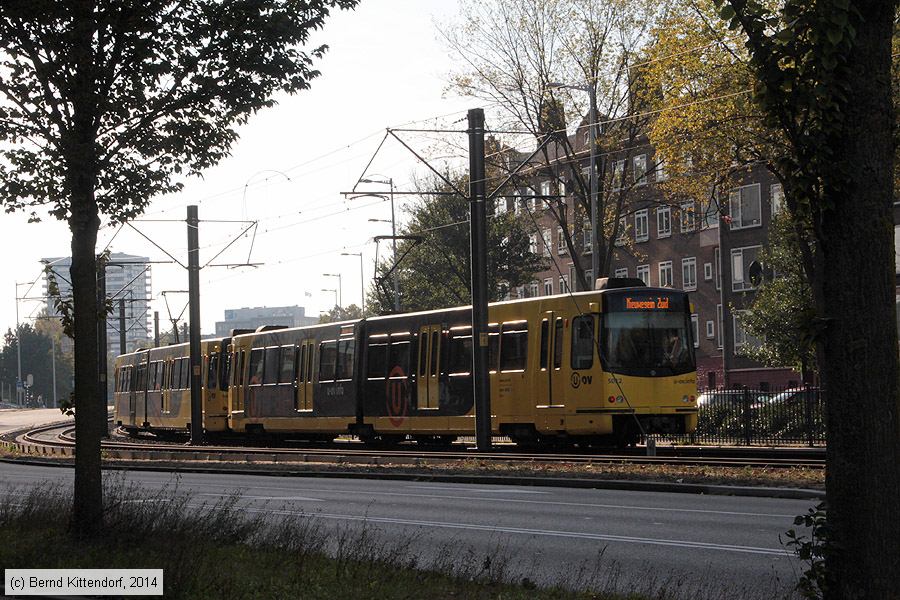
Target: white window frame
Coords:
[[736, 326], [643, 273], [621, 272], [622, 237], [545, 188], [735, 198], [740, 281], [661, 174], [562, 188], [639, 167], [564, 284], [500, 205], [666, 267], [717, 267], [561, 242], [618, 174], [548, 286], [689, 267], [688, 216], [641, 225], [707, 271], [663, 217], [588, 235], [710, 330], [532, 243], [534, 288], [695, 327], [776, 198], [548, 241]]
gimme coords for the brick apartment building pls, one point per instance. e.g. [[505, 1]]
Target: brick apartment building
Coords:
[[686, 245]]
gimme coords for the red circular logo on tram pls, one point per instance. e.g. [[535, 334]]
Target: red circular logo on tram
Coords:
[[397, 396]]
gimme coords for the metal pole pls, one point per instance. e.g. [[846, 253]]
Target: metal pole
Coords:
[[122, 326], [101, 328], [478, 240], [53, 366], [362, 286], [592, 138], [394, 244], [340, 290], [18, 350], [156, 329], [193, 223]]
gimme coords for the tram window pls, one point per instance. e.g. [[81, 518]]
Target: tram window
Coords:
[[242, 360], [557, 343], [583, 342], [434, 353], [377, 359], [423, 352], [398, 358], [301, 371], [157, 375], [460, 352], [212, 370], [224, 368], [327, 360], [176, 375], [310, 352], [185, 373], [273, 364], [514, 346], [344, 370], [287, 365], [493, 347], [545, 342], [164, 377], [256, 366]]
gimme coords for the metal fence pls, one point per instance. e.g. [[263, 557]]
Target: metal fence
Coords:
[[793, 416]]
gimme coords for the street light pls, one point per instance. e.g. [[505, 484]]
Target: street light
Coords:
[[390, 182], [362, 279], [340, 285], [592, 140]]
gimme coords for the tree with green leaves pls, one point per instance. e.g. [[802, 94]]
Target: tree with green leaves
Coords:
[[104, 104], [434, 270], [822, 74], [341, 313], [37, 361]]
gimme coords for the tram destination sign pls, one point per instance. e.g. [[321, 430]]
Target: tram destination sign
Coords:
[[645, 301]]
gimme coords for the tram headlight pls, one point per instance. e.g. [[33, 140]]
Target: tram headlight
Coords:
[[612, 399]]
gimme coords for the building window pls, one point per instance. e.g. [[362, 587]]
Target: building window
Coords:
[[548, 287], [531, 200], [545, 189], [545, 237], [720, 320], [663, 222], [500, 205], [564, 284], [695, 329], [532, 243], [665, 274], [710, 330], [707, 271], [561, 247], [533, 289], [622, 237], [589, 277], [744, 207], [562, 188], [740, 267], [618, 174], [688, 217], [588, 238], [689, 273], [573, 276], [717, 267], [643, 273], [777, 198], [641, 225], [621, 272], [639, 165], [710, 216], [741, 337], [661, 174]]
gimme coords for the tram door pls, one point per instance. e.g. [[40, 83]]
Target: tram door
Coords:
[[236, 394], [552, 337], [304, 399], [429, 373]]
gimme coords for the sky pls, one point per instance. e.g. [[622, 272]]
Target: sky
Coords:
[[386, 67]]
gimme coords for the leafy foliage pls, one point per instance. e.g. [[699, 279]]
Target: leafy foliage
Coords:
[[36, 360], [812, 550], [341, 313]]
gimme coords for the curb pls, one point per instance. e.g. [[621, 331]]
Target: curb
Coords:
[[581, 483]]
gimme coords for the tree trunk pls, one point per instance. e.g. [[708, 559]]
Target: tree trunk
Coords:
[[860, 344], [90, 408]]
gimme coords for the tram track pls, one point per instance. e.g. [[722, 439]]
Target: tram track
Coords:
[[59, 440]]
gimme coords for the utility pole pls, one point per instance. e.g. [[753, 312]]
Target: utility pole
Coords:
[[156, 329], [193, 242], [53, 366], [121, 325], [595, 231], [18, 350], [478, 240]]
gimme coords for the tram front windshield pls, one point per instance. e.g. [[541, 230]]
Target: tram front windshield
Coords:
[[648, 344]]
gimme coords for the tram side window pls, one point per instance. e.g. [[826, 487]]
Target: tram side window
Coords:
[[224, 371], [176, 375], [270, 373], [256, 366], [434, 354], [327, 360], [287, 365], [423, 352], [545, 343], [212, 370], [377, 360], [514, 346], [493, 347], [460, 352], [164, 376], [301, 363], [185, 373], [345, 360], [155, 376], [557, 343], [583, 342], [398, 358]]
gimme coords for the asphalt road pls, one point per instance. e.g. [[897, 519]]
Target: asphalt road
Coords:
[[14, 418], [704, 546]]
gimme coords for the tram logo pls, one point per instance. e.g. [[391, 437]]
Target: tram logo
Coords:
[[397, 396], [578, 379]]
